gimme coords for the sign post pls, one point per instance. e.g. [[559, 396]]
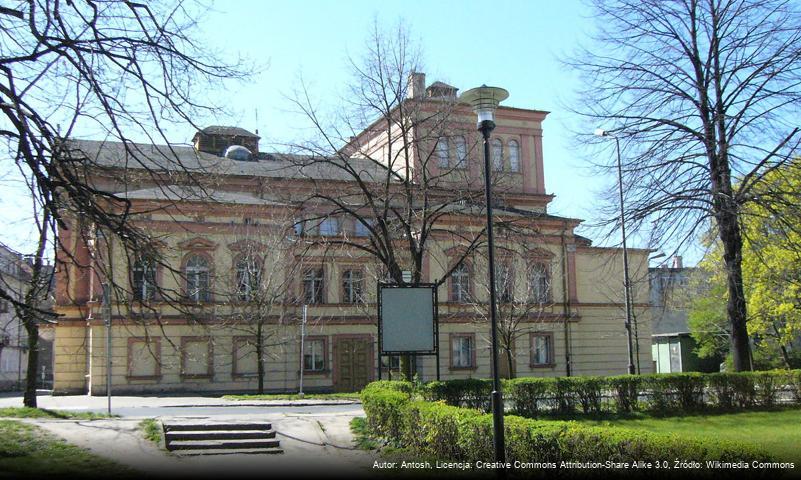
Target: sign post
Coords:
[[407, 320]]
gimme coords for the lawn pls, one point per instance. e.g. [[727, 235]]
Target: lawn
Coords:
[[27, 451], [27, 412], [295, 396], [778, 432]]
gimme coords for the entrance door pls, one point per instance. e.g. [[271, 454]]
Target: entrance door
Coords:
[[353, 363]]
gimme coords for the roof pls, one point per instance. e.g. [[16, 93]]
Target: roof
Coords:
[[226, 130], [188, 194], [140, 156]]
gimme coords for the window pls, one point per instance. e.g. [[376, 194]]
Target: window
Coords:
[[539, 283], [197, 279], [462, 351], [542, 349], [390, 362], [329, 227], [248, 277], [314, 355], [460, 284], [503, 282], [514, 156], [313, 286], [144, 358], [497, 155], [361, 229], [442, 153], [300, 227], [144, 280], [197, 357], [461, 152], [352, 286]]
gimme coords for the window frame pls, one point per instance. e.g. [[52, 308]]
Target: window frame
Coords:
[[457, 286], [156, 349], [207, 296], [546, 271], [348, 282], [514, 160], [471, 337], [459, 143], [143, 293], [497, 154], [317, 279], [209, 358], [247, 296], [504, 291], [323, 354], [551, 360], [442, 149]]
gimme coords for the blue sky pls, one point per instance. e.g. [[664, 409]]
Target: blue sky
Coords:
[[514, 44], [511, 44]]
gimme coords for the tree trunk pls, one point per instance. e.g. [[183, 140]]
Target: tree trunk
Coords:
[[510, 362], [260, 359], [29, 398], [735, 307]]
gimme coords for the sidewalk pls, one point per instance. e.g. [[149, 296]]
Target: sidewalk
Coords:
[[98, 403]]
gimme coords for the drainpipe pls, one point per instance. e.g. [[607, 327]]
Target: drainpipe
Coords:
[[566, 304]]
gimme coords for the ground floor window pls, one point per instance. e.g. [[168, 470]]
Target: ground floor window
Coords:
[[196, 357], [463, 351], [542, 349], [144, 358], [314, 353]]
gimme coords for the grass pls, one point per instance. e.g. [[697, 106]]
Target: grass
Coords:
[[361, 436], [295, 396], [151, 428], [27, 412], [776, 431], [27, 451]]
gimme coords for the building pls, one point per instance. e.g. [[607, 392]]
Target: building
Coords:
[[15, 276], [193, 320], [672, 346]]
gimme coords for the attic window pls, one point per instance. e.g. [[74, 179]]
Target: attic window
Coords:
[[238, 152]]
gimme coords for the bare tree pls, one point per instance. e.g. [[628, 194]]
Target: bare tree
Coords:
[[704, 97], [262, 287], [116, 69], [402, 156]]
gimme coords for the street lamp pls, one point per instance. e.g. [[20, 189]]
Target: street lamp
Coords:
[[626, 282], [485, 101]]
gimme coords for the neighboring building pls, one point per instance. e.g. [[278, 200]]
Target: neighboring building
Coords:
[[672, 346], [15, 276], [208, 241]]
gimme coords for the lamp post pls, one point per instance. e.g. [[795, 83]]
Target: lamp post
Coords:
[[484, 101], [626, 282]]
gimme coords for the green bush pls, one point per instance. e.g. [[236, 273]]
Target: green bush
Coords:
[[794, 382], [530, 395], [384, 403], [453, 433], [675, 391], [722, 390], [626, 391], [468, 392]]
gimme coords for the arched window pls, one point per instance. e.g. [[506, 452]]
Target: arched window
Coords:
[[197, 278], [442, 153], [497, 155], [248, 277], [461, 152], [460, 284], [144, 280], [514, 156]]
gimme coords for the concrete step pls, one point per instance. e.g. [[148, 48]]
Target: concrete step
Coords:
[[172, 435], [237, 451], [217, 426], [222, 444]]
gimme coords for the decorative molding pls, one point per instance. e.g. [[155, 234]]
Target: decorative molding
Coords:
[[197, 243]]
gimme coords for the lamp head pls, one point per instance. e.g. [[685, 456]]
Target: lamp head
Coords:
[[484, 101]]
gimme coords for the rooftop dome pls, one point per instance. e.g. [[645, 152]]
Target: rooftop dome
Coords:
[[238, 152]]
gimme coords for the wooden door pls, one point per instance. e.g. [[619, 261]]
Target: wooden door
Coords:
[[353, 363]]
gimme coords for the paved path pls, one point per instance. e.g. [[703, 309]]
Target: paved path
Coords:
[[315, 435]]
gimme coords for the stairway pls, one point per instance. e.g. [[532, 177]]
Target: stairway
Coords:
[[209, 438]]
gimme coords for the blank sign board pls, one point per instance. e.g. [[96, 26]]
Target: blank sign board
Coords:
[[407, 320]]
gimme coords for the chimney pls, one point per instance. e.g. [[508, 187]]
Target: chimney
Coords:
[[677, 262], [417, 85]]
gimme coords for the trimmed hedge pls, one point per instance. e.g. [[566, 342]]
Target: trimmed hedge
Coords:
[[461, 434], [656, 393]]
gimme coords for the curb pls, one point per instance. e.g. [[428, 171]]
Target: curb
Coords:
[[251, 404]]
